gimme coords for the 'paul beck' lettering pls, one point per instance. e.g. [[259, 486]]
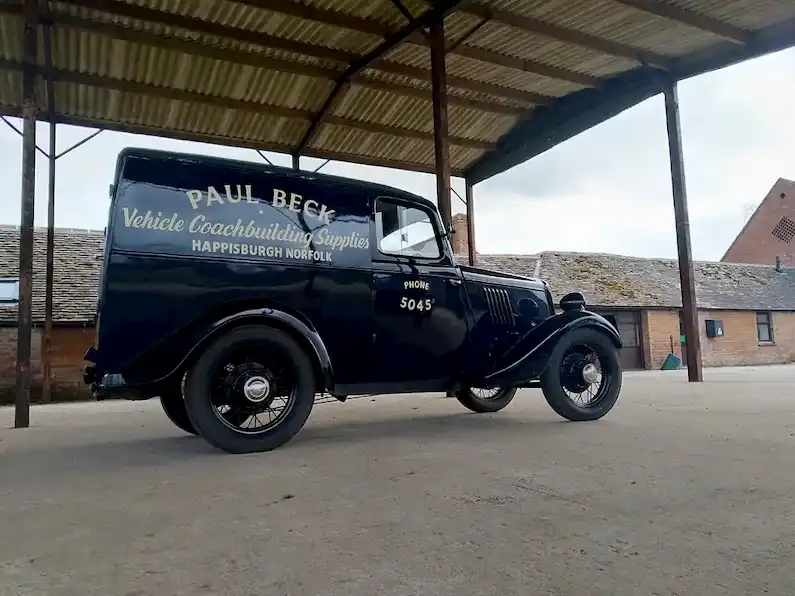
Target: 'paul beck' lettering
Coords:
[[236, 195], [242, 193], [297, 203]]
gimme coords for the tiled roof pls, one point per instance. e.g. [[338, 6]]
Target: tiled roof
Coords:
[[621, 281], [526, 265], [76, 267], [606, 280]]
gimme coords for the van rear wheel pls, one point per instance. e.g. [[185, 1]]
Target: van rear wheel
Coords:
[[174, 406], [251, 390]]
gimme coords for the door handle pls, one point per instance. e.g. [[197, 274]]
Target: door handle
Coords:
[[454, 281]]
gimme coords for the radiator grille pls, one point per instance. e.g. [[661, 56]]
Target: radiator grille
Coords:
[[499, 306]]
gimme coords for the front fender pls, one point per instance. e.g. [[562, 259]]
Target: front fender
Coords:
[[528, 358]]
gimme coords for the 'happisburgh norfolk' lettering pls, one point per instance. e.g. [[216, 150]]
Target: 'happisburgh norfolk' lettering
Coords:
[[245, 236]]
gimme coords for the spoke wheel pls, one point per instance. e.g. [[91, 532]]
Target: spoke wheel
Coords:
[[583, 378], [482, 400], [252, 390]]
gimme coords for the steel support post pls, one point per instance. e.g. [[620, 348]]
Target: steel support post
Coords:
[[441, 147], [441, 150], [686, 274], [296, 161], [25, 306], [470, 222], [46, 340]]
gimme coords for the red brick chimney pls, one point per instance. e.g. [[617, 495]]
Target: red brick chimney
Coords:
[[460, 236]]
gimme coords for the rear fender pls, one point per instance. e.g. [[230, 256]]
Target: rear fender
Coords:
[[308, 337], [529, 357], [199, 337]]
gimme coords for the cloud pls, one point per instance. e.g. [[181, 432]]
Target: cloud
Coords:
[[606, 190]]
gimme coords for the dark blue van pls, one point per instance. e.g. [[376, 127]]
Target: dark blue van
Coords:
[[237, 292]]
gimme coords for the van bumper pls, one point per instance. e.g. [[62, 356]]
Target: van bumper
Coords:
[[111, 386]]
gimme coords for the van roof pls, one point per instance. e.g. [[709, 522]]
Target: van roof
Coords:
[[221, 161]]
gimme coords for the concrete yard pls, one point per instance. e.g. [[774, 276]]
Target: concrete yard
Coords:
[[683, 489]]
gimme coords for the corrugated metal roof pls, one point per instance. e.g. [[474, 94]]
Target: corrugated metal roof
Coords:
[[256, 72]]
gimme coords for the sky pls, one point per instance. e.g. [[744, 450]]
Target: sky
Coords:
[[605, 190]]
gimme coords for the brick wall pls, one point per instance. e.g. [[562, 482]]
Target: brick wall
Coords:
[[658, 328], [738, 346], [68, 346], [756, 242]]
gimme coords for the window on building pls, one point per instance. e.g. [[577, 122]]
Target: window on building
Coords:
[[764, 327], [9, 291], [406, 231]]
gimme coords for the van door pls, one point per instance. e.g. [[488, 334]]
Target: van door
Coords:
[[418, 307]]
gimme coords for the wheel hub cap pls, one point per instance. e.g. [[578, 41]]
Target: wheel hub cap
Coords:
[[256, 389], [590, 374]]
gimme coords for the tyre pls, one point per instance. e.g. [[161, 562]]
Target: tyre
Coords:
[[583, 378], [251, 390], [174, 407], [486, 400]]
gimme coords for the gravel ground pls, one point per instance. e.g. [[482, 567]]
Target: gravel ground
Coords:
[[682, 489]]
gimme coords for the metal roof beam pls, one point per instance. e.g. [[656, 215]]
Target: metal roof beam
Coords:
[[136, 88], [369, 59], [362, 25], [690, 18], [579, 111], [552, 125], [571, 36], [142, 13], [231, 142], [279, 64], [469, 84], [409, 17]]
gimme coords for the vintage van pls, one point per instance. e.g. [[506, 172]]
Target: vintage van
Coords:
[[237, 292]]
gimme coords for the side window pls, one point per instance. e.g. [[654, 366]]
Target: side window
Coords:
[[9, 291], [405, 230], [764, 327]]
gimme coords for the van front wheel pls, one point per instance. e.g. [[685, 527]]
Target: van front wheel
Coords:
[[251, 390], [583, 379]]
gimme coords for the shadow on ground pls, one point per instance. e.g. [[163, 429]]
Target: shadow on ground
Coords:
[[429, 430]]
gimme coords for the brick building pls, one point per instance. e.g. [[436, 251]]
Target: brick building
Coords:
[[770, 231], [756, 304], [76, 277]]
